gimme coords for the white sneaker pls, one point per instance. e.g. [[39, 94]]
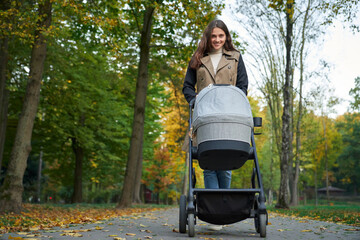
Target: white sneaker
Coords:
[[215, 227]]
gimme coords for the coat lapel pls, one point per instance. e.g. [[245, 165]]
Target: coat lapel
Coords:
[[208, 64], [225, 60]]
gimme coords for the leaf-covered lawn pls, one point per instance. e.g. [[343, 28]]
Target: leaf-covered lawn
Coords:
[[35, 216], [338, 214]]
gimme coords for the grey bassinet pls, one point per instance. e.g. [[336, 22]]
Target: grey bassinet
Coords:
[[222, 122]]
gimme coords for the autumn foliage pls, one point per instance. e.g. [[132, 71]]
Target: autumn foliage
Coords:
[[42, 217]]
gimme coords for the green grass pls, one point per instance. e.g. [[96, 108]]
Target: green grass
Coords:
[[338, 213]]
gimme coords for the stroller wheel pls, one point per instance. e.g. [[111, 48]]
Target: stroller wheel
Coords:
[[182, 214], [262, 225], [191, 225]]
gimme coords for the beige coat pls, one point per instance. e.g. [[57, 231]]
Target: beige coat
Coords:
[[225, 74]]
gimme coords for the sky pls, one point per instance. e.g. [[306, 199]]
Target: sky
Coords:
[[340, 48]]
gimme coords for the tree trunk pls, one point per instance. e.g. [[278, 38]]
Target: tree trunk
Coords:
[[139, 111], [12, 189], [326, 163], [3, 122], [137, 188], [38, 187], [4, 93], [283, 201], [316, 187], [79, 156], [294, 195]]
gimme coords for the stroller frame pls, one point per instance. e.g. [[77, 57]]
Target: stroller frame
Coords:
[[188, 204]]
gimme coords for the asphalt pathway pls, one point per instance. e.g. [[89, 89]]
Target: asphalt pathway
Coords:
[[163, 224]]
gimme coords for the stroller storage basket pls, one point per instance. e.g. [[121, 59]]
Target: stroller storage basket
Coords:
[[222, 124], [224, 207]]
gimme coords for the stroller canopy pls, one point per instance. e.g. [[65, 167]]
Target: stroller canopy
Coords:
[[222, 105]]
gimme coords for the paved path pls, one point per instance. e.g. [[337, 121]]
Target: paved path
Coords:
[[163, 224]]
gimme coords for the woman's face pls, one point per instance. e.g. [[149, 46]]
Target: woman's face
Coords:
[[218, 38]]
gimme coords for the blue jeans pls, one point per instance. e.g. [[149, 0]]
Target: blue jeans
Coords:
[[217, 179]]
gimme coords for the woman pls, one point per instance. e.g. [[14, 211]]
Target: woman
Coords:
[[215, 61]]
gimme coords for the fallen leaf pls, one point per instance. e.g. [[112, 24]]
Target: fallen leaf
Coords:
[[281, 230], [34, 228], [113, 235], [131, 234], [15, 238], [306, 230], [352, 229], [141, 225], [175, 230], [71, 234], [119, 238], [99, 228], [148, 237], [22, 233]]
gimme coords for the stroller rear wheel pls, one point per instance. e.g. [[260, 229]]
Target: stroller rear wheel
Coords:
[[182, 214]]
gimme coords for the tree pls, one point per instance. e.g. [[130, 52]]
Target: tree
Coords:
[[277, 72], [139, 109], [355, 93], [11, 190], [168, 20], [348, 160]]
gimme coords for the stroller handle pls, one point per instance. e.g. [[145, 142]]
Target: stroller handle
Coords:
[[192, 103]]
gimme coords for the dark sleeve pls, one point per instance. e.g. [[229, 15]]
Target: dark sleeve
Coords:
[[242, 79], [189, 84]]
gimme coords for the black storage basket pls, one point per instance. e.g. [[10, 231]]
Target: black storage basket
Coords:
[[224, 207]]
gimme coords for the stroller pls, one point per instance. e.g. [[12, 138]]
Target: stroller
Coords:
[[224, 128]]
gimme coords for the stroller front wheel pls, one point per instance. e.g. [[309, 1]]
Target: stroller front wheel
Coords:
[[262, 225], [191, 225]]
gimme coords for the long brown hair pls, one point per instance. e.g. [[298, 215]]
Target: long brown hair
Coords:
[[204, 46]]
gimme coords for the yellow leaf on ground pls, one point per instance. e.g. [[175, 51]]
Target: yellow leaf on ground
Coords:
[[98, 228], [281, 230], [71, 234], [131, 234], [34, 228], [306, 230], [113, 235], [16, 238]]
